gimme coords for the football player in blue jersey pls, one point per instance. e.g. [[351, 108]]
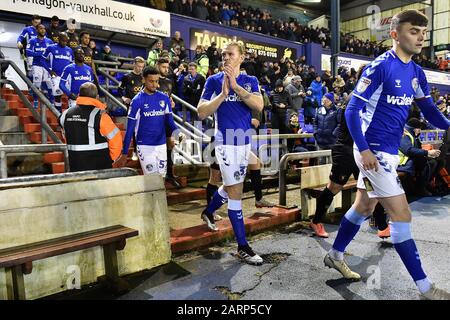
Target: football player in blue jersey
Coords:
[[231, 96], [386, 90], [74, 75], [58, 57], [24, 38], [39, 70], [149, 115]]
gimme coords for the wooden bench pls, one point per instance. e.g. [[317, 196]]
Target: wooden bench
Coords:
[[19, 260], [313, 181]]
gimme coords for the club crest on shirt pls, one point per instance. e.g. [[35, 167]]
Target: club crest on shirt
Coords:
[[149, 167], [248, 87], [162, 103], [415, 84], [237, 175], [363, 84]]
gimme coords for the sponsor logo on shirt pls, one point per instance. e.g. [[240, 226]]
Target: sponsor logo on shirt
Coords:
[[63, 57], [400, 101], [233, 98], [79, 78], [154, 113]]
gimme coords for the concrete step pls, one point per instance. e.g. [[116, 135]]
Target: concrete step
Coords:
[[4, 110], [175, 196], [10, 124], [24, 164], [193, 238], [14, 138]]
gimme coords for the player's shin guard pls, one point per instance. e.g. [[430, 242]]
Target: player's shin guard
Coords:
[[255, 177], [220, 197], [323, 203], [349, 227], [210, 190], [237, 221], [407, 250]]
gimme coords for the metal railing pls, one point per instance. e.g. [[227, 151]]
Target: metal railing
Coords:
[[40, 180], [185, 105], [436, 139], [45, 103], [296, 156], [39, 148]]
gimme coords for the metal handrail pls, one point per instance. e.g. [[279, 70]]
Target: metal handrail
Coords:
[[40, 148], [200, 135], [295, 156], [283, 136], [40, 180], [113, 99], [107, 63], [45, 103], [188, 105], [107, 75]]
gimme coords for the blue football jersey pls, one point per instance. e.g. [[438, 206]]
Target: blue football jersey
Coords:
[[27, 34], [152, 113], [388, 86], [233, 114], [58, 58], [73, 76], [36, 48]]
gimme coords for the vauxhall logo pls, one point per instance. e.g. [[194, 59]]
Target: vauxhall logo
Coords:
[[400, 101]]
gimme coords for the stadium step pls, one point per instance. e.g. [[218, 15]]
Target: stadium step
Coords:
[[183, 240], [10, 124], [14, 138], [175, 196], [53, 157], [58, 167], [36, 137], [36, 127], [24, 164]]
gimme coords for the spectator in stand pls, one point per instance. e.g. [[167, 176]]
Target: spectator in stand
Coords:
[[175, 57], [178, 41], [350, 84], [214, 13], [193, 87], [214, 56], [338, 85], [174, 6], [153, 55], [226, 14], [202, 61], [414, 160], [297, 93], [326, 123], [201, 10], [188, 8], [180, 73], [281, 102], [328, 79], [310, 104], [318, 88], [95, 53], [158, 4], [107, 55]]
